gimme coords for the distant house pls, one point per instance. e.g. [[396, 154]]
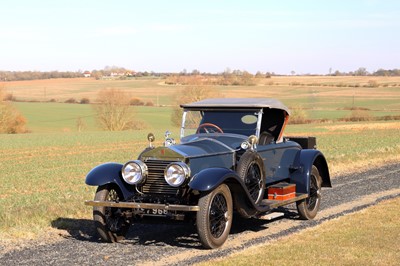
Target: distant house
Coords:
[[87, 74], [120, 74], [117, 74], [130, 73]]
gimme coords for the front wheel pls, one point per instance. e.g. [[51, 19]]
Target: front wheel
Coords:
[[309, 207], [111, 224], [214, 219]]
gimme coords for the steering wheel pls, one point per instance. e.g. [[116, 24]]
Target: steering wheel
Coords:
[[205, 125]]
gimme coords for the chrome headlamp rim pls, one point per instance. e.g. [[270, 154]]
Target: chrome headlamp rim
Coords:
[[141, 172], [250, 143], [245, 145], [176, 181]]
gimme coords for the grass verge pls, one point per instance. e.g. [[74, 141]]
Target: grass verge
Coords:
[[368, 237]]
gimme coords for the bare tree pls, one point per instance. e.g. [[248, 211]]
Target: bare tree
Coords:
[[191, 94], [11, 120], [361, 71], [298, 115], [113, 110], [80, 124]]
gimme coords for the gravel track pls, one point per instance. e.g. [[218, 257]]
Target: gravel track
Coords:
[[177, 244]]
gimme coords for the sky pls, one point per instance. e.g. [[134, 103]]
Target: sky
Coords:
[[307, 37]]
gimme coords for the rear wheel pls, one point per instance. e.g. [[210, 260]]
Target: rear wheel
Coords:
[[309, 207], [111, 224], [214, 219]]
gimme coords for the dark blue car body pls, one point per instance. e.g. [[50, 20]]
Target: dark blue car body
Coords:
[[237, 154]]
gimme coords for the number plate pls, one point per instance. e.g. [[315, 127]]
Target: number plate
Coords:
[[157, 212]]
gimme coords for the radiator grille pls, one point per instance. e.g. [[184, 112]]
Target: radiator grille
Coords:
[[155, 180]]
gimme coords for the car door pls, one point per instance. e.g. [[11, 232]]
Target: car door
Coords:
[[277, 158]]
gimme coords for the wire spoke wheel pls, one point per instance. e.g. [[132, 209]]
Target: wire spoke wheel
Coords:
[[214, 219], [254, 182], [111, 224], [309, 207], [218, 214], [114, 219], [313, 200]]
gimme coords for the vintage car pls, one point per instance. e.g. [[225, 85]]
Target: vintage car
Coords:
[[232, 160]]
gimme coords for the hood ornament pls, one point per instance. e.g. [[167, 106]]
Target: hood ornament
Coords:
[[168, 141]]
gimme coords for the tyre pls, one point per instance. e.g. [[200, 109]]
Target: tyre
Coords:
[[251, 170], [309, 207], [110, 223], [214, 219]]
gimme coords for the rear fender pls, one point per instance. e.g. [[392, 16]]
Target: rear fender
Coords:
[[301, 169], [109, 173]]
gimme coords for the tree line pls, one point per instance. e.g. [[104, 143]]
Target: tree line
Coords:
[[245, 77], [32, 75], [362, 71]]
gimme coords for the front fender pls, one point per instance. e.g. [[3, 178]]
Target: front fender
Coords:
[[210, 178], [108, 173], [304, 161]]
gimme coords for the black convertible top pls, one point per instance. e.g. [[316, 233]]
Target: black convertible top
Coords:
[[237, 103]]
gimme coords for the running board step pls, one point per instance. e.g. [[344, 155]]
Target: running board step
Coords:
[[271, 216]]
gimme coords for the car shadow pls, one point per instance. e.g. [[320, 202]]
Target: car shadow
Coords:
[[160, 232], [176, 234], [80, 229], [241, 224]]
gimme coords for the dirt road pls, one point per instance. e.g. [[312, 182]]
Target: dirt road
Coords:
[[177, 244]]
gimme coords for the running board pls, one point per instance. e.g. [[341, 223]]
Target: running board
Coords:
[[272, 204], [271, 216]]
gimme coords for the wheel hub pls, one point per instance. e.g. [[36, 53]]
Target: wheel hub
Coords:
[[226, 216]]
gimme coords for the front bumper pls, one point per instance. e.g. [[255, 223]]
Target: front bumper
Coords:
[[148, 206]]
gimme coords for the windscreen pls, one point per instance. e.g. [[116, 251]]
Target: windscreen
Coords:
[[214, 121]]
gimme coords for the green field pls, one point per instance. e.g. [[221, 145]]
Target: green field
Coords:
[[62, 117]]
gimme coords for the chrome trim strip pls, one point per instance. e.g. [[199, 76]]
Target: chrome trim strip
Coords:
[[136, 205], [210, 155], [183, 124], [258, 129]]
